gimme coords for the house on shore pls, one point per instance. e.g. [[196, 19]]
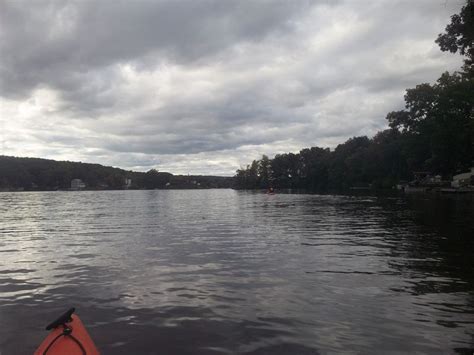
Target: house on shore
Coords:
[[77, 184], [424, 181], [463, 180]]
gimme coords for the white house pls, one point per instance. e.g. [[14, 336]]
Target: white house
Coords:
[[77, 184]]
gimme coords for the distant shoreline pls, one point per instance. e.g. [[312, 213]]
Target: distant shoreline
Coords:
[[91, 190], [36, 174]]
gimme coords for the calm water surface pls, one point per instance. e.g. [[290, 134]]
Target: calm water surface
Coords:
[[228, 272]]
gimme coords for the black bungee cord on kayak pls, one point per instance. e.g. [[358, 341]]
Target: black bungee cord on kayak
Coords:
[[61, 321]]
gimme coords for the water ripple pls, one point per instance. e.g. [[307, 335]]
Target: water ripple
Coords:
[[227, 272]]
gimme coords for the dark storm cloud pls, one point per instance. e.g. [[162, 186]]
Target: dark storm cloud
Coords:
[[207, 84]]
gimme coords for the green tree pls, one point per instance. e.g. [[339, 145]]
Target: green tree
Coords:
[[459, 34], [264, 171], [438, 123]]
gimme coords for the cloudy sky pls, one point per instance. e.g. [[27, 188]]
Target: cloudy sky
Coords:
[[204, 87]]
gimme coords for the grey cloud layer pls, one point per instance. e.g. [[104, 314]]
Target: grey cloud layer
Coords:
[[55, 43], [193, 84]]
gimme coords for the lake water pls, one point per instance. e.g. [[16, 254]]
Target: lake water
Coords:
[[234, 272]]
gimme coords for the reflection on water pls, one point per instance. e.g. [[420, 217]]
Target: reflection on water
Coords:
[[225, 272]]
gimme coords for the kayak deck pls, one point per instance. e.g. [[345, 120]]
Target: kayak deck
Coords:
[[70, 338]]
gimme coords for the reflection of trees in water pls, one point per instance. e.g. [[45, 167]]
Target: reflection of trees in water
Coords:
[[419, 246], [435, 252], [436, 238]]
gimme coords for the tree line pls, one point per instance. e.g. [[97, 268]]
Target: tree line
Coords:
[[43, 174], [434, 133]]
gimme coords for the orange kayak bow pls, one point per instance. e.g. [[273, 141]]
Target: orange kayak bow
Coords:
[[68, 336]]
